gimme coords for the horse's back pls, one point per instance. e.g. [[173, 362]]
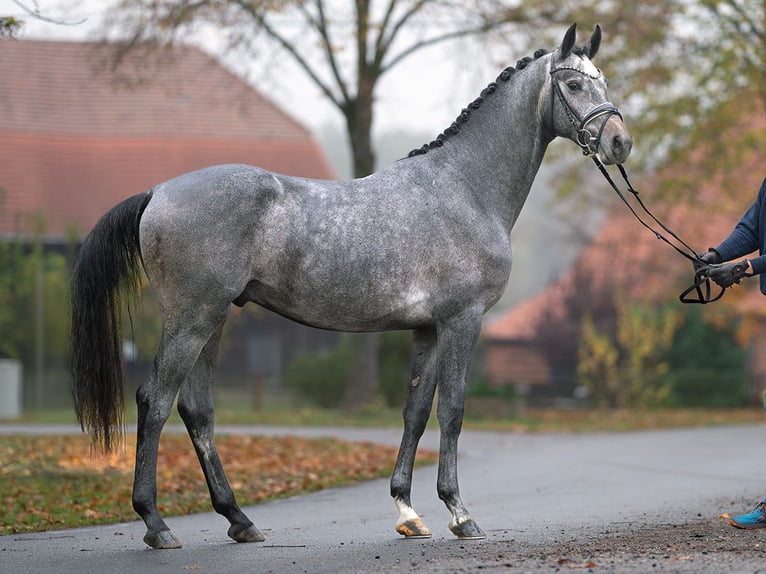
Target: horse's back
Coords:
[[212, 184]]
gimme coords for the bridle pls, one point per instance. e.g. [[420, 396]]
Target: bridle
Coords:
[[700, 291]]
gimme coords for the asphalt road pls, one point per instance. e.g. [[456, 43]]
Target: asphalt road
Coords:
[[627, 502]]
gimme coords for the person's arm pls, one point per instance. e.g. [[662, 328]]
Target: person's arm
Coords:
[[745, 238], [757, 265]]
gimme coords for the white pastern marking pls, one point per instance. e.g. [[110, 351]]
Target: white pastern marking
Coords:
[[457, 520], [406, 512]]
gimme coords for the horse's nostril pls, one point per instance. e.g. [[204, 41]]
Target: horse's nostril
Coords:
[[622, 145]]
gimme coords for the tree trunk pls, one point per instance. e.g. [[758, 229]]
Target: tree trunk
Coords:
[[358, 113], [364, 385]]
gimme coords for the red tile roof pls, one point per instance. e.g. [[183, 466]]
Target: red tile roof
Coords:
[[76, 138]]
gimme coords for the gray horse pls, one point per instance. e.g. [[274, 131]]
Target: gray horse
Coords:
[[423, 245]]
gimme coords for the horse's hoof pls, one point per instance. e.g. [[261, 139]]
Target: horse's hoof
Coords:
[[413, 528], [247, 533], [162, 540], [466, 529]]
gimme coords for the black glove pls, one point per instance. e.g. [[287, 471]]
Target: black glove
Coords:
[[712, 257], [728, 274]]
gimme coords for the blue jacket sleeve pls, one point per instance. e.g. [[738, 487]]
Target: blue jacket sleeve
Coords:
[[748, 236]]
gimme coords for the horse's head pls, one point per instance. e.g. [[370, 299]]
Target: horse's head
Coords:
[[580, 108]]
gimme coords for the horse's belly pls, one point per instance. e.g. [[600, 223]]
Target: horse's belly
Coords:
[[377, 297], [345, 307]]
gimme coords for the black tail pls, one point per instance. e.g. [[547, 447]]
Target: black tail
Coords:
[[108, 269]]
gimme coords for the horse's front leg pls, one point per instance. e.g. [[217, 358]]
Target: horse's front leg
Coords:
[[456, 340], [417, 409]]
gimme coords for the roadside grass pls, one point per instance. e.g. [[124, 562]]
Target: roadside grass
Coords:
[[617, 420], [237, 412]]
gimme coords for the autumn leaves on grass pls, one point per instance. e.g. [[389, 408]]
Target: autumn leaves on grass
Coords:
[[56, 482]]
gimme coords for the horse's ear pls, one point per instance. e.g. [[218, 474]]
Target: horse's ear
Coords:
[[595, 41], [568, 42]]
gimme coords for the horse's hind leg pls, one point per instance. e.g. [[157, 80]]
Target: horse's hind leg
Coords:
[[417, 409], [182, 341], [195, 404]]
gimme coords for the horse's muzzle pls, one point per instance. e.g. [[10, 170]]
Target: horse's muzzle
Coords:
[[616, 142]]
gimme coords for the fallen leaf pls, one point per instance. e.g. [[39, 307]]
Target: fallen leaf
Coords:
[[566, 564]]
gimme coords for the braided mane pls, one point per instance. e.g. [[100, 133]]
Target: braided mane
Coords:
[[465, 113]]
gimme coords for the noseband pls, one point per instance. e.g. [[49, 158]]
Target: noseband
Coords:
[[585, 138]]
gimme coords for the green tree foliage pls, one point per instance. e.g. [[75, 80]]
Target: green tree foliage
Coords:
[[33, 287], [597, 368], [706, 366], [625, 368], [720, 81], [674, 66], [33, 309], [660, 357], [144, 326], [644, 333], [395, 352], [10, 26], [10, 264], [322, 378]]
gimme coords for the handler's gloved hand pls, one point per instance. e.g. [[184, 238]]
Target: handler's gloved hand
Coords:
[[711, 257], [728, 274]]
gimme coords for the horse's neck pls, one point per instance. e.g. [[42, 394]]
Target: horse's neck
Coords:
[[499, 150]]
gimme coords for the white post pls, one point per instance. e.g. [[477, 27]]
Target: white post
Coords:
[[10, 388]]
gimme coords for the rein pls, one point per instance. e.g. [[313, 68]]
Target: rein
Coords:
[[700, 291]]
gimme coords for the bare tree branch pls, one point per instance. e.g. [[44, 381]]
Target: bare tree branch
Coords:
[[362, 29], [490, 19], [287, 45], [324, 31], [380, 46], [386, 42], [431, 42], [40, 16]]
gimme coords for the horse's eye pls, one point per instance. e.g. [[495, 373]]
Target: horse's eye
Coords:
[[573, 86]]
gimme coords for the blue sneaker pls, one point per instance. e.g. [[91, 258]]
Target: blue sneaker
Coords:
[[756, 518]]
